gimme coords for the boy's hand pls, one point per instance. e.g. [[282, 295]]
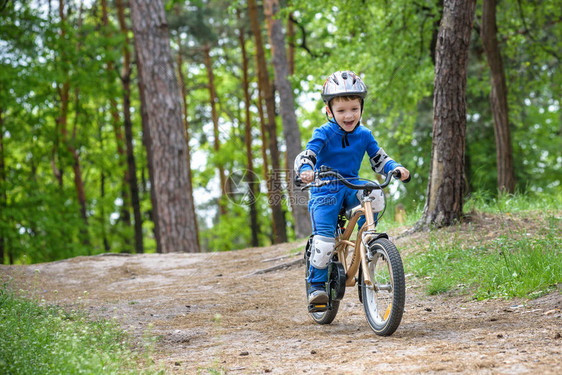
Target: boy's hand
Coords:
[[307, 176], [404, 173]]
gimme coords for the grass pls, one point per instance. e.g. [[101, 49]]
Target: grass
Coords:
[[518, 264], [486, 202], [40, 339], [514, 264]]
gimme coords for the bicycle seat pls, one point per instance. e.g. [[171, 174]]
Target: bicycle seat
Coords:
[[349, 213], [346, 213]]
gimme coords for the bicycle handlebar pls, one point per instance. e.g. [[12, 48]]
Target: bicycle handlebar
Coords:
[[328, 172]]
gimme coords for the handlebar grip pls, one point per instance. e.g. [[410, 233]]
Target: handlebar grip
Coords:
[[398, 175], [298, 181]]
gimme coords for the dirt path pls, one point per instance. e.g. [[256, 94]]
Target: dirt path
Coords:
[[213, 315]]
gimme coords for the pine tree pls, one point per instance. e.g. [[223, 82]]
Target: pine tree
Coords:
[[498, 99], [291, 131], [172, 206], [446, 185]]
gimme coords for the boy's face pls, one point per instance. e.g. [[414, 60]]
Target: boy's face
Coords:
[[347, 112]]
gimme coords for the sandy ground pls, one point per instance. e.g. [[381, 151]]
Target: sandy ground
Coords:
[[214, 314]]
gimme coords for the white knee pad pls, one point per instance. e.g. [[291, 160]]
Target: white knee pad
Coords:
[[322, 251]]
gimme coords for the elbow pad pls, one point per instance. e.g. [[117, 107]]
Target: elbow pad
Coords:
[[307, 157], [379, 161]]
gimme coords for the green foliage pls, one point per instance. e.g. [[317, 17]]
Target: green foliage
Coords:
[[40, 218], [37, 338], [228, 234], [388, 43], [514, 265], [529, 38]]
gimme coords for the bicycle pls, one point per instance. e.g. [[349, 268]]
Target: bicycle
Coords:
[[375, 266]]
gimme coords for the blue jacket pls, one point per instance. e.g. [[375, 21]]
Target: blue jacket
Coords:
[[343, 151]]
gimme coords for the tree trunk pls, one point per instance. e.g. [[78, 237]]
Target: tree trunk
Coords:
[[264, 85], [215, 118], [498, 99], [128, 125], [174, 222], [445, 188], [250, 177], [291, 131], [265, 158], [186, 130], [57, 171], [106, 246], [435, 31], [125, 214], [62, 122], [64, 95], [77, 169], [78, 180], [153, 212], [3, 195], [291, 42]]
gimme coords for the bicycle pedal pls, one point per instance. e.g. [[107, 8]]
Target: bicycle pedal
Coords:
[[317, 308]]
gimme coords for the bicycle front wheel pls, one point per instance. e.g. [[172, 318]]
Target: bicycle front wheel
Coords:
[[384, 300]]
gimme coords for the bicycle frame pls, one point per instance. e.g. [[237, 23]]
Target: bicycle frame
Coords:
[[364, 235]]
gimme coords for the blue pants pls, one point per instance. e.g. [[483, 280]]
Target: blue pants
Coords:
[[324, 206]]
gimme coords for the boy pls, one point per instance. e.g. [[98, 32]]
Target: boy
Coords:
[[340, 144]]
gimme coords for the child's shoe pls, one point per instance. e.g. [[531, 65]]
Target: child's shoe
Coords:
[[317, 297]]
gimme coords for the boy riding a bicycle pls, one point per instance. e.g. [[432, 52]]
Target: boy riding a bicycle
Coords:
[[340, 144]]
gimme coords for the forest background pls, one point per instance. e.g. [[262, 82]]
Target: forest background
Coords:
[[74, 170]]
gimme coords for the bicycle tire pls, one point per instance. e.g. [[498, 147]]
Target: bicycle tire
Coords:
[[328, 316], [359, 283], [384, 302]]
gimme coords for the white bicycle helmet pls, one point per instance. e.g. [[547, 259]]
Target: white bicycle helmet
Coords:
[[343, 83]]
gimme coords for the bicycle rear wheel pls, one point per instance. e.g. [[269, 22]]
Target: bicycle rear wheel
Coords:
[[328, 316], [384, 301], [321, 317]]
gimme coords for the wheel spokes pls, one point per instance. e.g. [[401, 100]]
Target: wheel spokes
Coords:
[[381, 292]]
